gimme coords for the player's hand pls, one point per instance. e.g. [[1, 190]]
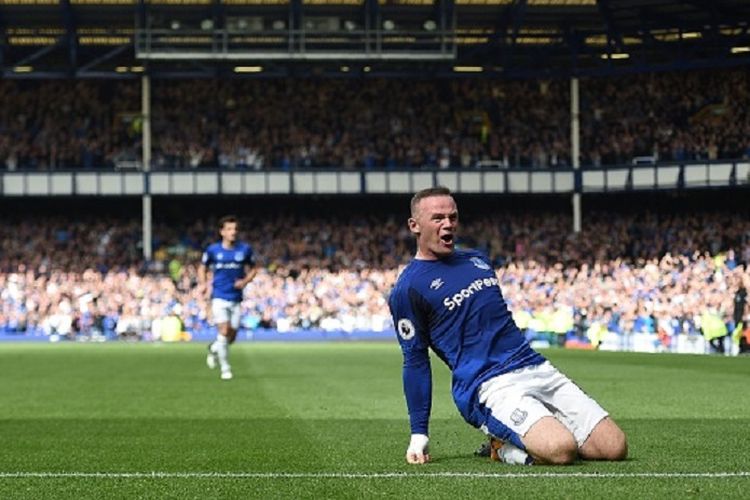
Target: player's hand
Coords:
[[239, 284], [418, 451]]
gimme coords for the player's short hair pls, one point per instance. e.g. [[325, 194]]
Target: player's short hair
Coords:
[[427, 193], [227, 219]]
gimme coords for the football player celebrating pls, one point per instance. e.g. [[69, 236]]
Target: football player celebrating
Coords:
[[450, 301]]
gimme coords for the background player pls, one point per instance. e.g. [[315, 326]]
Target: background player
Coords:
[[232, 266], [450, 301]]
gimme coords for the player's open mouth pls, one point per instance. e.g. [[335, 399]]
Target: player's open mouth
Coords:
[[447, 238]]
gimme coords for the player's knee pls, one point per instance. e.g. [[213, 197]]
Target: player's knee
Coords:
[[564, 452], [550, 442], [607, 443], [559, 450], [618, 446]]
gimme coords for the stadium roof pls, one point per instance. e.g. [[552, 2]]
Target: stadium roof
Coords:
[[514, 38]]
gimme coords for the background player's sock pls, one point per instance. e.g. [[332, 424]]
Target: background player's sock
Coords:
[[221, 348], [211, 358]]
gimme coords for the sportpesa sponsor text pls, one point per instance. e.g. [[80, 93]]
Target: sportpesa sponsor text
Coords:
[[455, 300], [227, 265]]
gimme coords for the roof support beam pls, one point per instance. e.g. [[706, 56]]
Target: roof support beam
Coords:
[[217, 14], [512, 28], [36, 55], [445, 17], [516, 19], [71, 37], [614, 37], [104, 57], [372, 24]]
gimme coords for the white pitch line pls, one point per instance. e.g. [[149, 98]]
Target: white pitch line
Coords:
[[374, 475]]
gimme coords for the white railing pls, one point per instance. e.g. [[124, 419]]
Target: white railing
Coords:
[[123, 182]]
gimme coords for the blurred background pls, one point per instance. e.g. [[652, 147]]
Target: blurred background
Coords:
[[599, 152]]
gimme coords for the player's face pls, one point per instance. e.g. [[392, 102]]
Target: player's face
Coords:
[[435, 223], [229, 232]]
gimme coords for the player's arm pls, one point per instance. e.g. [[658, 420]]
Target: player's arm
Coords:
[[203, 275], [250, 270], [417, 379], [416, 373]]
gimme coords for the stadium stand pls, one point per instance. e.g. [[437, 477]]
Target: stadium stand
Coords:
[[489, 91], [376, 123], [659, 272]]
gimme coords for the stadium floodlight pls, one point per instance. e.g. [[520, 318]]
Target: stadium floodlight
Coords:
[[344, 69], [429, 25], [367, 69], [740, 50], [616, 55], [23, 69], [389, 25], [207, 24], [248, 69], [350, 25], [175, 24], [278, 24], [468, 69]]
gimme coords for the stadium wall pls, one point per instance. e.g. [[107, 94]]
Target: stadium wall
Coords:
[[636, 342]]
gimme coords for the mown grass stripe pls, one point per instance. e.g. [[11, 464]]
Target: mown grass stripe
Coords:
[[373, 475]]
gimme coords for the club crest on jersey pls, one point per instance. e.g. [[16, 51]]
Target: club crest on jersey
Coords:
[[479, 263], [405, 328], [436, 283], [518, 416], [239, 256], [219, 255]]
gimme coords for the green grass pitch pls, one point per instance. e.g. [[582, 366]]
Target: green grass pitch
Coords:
[[328, 420]]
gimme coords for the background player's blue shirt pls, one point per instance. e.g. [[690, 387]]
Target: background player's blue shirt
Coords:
[[454, 306], [227, 265]]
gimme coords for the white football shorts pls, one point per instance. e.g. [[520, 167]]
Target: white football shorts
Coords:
[[225, 311], [522, 397]]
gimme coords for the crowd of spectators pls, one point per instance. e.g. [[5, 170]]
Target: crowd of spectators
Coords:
[[63, 124], [652, 273], [374, 123], [668, 117]]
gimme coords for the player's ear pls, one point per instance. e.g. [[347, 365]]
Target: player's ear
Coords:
[[413, 225]]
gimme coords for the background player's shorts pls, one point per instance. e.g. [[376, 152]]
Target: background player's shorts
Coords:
[[522, 397], [225, 311]]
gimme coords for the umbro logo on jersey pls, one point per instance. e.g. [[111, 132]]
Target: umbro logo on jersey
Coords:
[[239, 256], [479, 263], [436, 283]]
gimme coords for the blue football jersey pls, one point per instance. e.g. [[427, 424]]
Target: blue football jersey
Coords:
[[454, 307], [227, 265]]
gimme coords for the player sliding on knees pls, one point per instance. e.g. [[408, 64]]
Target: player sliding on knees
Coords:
[[232, 266], [450, 301]]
